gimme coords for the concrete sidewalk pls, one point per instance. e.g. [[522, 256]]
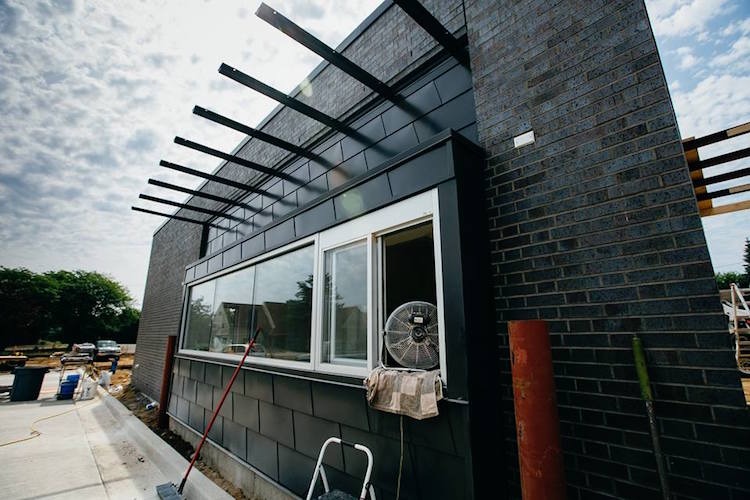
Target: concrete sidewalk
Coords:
[[98, 450]]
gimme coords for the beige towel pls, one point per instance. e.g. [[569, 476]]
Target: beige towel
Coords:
[[414, 394]]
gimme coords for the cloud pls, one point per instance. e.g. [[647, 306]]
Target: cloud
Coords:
[[680, 18], [687, 58], [741, 27], [9, 17], [736, 58]]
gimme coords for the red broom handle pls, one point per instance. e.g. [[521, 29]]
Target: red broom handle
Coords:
[[218, 408]]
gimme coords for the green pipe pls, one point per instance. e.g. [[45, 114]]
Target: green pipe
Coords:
[[645, 383]]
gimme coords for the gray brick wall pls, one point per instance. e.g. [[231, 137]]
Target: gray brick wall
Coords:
[[595, 228], [173, 247]]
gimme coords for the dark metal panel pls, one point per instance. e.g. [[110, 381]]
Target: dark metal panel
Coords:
[[456, 114], [281, 234], [231, 256], [369, 133], [429, 465], [205, 394], [454, 82], [216, 434], [274, 193], [312, 190], [285, 205], [252, 247], [197, 417], [292, 393], [189, 389], [183, 409], [340, 404], [302, 173], [328, 158], [432, 433], [262, 453], [184, 368], [239, 383], [419, 103], [189, 274], [245, 412], [201, 269], [259, 385], [234, 438], [311, 433], [315, 219], [213, 374], [360, 199], [227, 407], [420, 173], [391, 146], [295, 470], [214, 264], [276, 423], [348, 170], [304, 38], [385, 468]]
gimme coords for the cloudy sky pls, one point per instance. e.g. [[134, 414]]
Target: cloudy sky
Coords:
[[92, 94]]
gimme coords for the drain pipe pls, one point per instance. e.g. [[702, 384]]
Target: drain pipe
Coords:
[[537, 425], [643, 380]]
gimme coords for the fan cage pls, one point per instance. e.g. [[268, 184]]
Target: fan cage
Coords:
[[399, 337]]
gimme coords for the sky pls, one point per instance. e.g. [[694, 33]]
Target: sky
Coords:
[[93, 93]]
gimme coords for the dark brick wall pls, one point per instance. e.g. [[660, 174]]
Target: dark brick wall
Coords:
[[595, 228], [173, 247]]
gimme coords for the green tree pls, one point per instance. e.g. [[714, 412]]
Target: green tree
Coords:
[[76, 306], [723, 280], [24, 306]]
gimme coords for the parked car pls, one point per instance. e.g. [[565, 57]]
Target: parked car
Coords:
[[84, 348], [106, 349]]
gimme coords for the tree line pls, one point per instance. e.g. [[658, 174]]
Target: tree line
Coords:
[[741, 279], [66, 306]]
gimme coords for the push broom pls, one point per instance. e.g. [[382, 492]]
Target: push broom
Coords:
[[169, 491]]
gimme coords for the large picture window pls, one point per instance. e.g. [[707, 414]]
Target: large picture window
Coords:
[[321, 303]]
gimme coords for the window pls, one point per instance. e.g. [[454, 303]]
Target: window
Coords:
[[345, 305], [321, 303]]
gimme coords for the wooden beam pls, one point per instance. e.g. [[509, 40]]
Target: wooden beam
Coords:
[[725, 209]]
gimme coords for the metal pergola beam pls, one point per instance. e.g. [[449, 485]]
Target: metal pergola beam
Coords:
[[716, 136], [289, 28], [210, 177], [718, 160], [250, 82], [176, 217], [742, 188], [715, 179], [252, 132], [187, 207], [231, 158], [200, 194], [431, 25]]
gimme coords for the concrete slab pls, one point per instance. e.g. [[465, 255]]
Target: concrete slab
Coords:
[[93, 450]]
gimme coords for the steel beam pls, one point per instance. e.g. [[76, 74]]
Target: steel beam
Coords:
[[289, 28], [431, 25], [200, 194], [718, 160], [252, 132], [188, 207], [250, 82], [231, 158], [210, 177], [715, 179], [716, 136], [176, 217]]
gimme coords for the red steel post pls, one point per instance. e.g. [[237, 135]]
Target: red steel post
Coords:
[[537, 425], [166, 377]]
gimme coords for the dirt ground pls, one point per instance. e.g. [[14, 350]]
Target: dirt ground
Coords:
[[136, 403]]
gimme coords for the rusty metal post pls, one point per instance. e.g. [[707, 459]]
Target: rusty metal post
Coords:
[[537, 425], [166, 377]]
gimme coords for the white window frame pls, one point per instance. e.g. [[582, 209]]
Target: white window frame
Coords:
[[371, 228], [232, 357]]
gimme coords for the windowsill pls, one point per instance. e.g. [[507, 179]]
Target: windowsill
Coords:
[[354, 381]]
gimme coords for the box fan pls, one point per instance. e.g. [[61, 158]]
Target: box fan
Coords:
[[411, 336]]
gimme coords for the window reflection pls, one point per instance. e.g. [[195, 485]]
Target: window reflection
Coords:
[[283, 305], [345, 309], [232, 316], [200, 308]]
